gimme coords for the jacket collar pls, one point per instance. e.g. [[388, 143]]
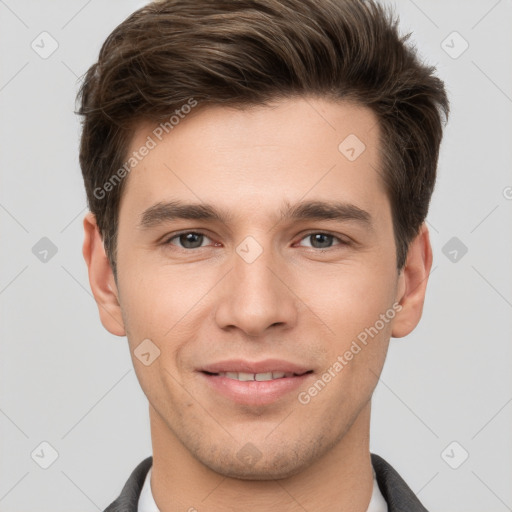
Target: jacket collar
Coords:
[[396, 492]]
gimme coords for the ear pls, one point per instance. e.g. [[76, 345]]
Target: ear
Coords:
[[101, 278], [412, 284]]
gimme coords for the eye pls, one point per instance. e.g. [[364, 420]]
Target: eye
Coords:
[[194, 240], [321, 240], [187, 240]]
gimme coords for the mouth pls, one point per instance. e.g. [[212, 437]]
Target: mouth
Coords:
[[259, 377], [259, 383]]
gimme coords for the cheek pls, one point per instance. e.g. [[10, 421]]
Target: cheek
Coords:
[[156, 300], [166, 306], [352, 299], [152, 310], [357, 308]]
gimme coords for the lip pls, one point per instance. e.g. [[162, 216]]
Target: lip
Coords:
[[267, 365], [254, 393]]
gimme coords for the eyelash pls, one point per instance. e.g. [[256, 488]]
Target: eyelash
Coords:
[[341, 241]]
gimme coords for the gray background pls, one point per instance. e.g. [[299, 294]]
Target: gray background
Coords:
[[67, 382]]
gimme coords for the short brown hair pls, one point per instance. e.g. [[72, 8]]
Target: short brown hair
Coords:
[[242, 53]]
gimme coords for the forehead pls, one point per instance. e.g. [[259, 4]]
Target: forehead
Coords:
[[258, 156]]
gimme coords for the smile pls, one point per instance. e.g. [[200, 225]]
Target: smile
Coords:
[[254, 389]]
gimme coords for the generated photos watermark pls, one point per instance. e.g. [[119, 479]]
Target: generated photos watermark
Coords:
[[333, 371], [137, 156]]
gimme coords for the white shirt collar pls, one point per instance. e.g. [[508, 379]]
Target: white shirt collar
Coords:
[[147, 502]]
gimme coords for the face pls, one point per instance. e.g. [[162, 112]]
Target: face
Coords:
[[257, 245]]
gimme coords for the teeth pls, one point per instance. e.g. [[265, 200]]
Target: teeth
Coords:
[[260, 377], [263, 376]]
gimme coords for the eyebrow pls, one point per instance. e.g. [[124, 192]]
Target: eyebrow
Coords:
[[309, 210]]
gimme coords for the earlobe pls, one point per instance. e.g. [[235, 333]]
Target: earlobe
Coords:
[[412, 284], [101, 278]]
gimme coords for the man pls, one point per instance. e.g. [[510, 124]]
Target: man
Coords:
[[258, 175]]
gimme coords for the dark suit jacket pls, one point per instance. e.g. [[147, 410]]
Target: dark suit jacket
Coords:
[[396, 492]]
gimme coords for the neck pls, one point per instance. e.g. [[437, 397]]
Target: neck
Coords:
[[340, 480]]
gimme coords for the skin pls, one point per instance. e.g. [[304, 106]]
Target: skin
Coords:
[[294, 302]]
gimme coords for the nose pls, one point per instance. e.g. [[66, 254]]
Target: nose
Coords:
[[257, 295]]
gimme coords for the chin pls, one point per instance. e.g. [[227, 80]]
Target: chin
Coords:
[[265, 470], [249, 463]]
